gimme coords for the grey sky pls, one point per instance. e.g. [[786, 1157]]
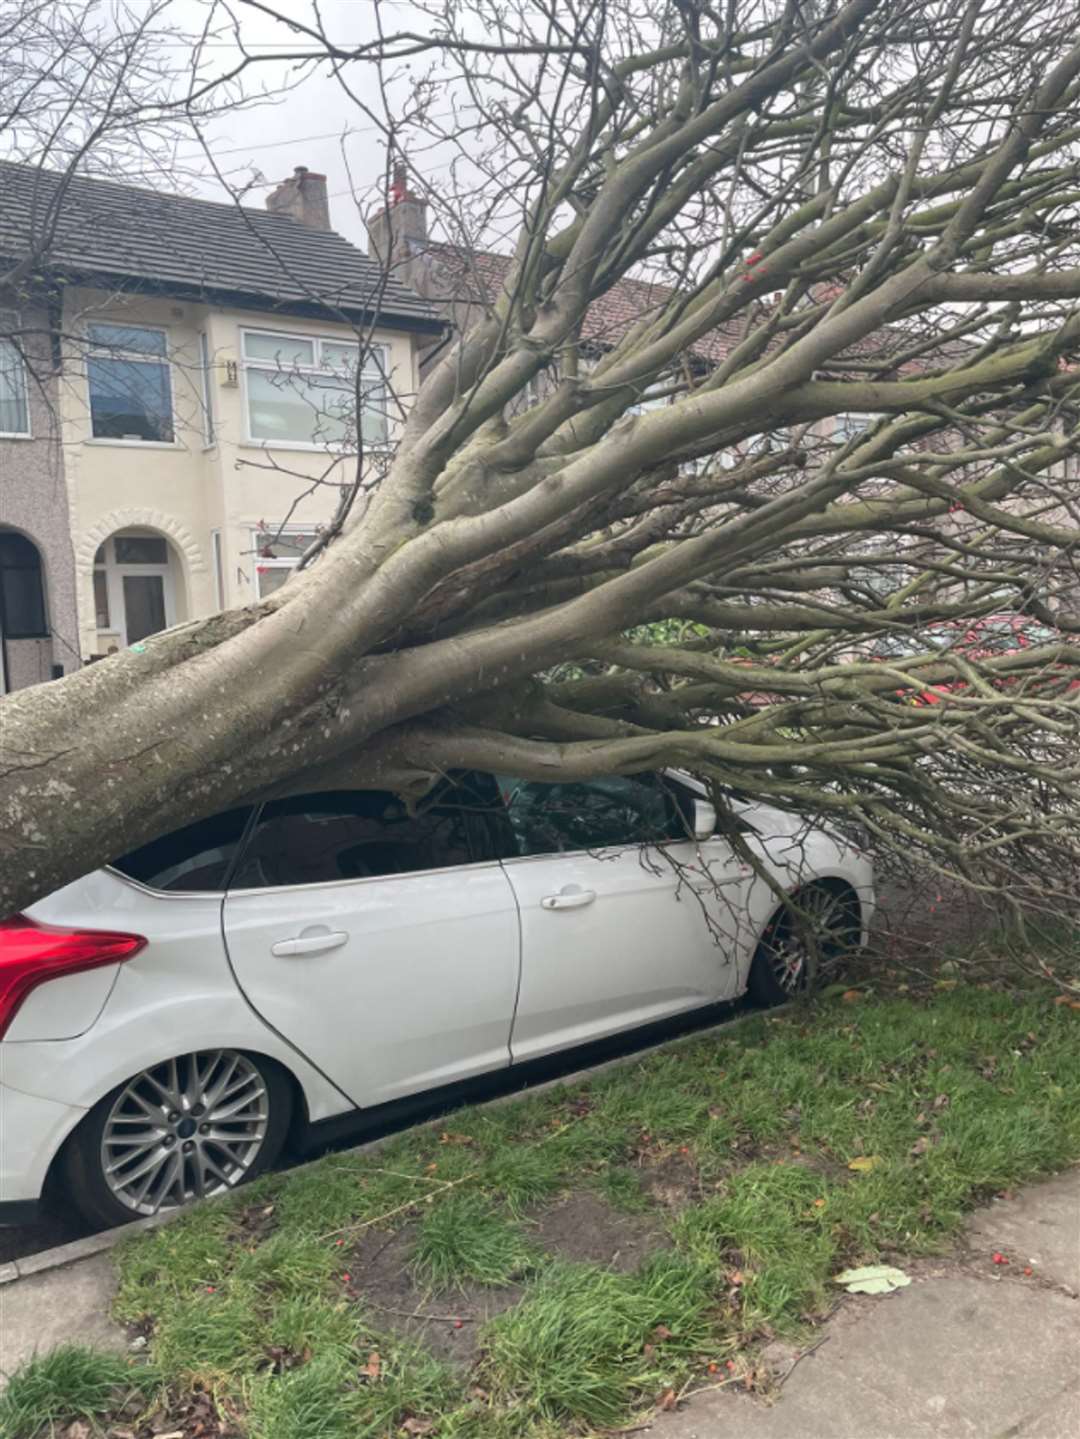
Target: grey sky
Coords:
[[314, 124]]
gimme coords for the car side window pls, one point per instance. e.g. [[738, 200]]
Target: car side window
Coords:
[[591, 814], [197, 857], [359, 834]]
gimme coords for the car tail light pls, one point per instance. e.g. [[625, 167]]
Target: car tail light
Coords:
[[31, 953]]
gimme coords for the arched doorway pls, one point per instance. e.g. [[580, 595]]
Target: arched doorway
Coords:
[[138, 587], [25, 647]]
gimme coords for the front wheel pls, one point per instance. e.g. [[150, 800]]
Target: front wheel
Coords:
[[181, 1130], [822, 923]]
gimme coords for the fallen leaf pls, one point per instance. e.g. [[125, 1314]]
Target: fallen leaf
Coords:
[[373, 1367], [865, 1163], [851, 996], [661, 1332], [819, 1204], [648, 1350], [736, 1277], [946, 983], [921, 1145], [872, 1279], [77, 1430], [667, 1400], [941, 1102], [418, 1426]]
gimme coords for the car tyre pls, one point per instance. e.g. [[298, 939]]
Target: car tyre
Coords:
[[787, 962], [198, 1124]]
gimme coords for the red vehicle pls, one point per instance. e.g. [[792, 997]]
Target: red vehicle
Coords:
[[978, 640]]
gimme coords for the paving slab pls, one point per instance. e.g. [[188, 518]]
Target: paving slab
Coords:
[[1040, 1226], [71, 1305], [949, 1358], [1061, 1419]]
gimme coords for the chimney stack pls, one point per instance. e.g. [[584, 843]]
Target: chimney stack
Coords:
[[396, 233], [303, 198]]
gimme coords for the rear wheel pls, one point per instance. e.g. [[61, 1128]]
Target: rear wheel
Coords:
[[180, 1130], [801, 943]]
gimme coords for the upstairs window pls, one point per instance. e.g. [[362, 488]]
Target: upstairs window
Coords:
[[14, 411], [302, 390], [127, 370]]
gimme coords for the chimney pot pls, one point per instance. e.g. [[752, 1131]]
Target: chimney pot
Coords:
[[401, 226]]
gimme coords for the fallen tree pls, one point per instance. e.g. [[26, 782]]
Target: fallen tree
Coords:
[[873, 206]]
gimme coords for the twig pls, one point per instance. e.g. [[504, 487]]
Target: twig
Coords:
[[400, 1208], [799, 1359], [708, 1388], [419, 1314]]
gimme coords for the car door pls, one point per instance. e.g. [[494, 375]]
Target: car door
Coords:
[[624, 920], [383, 944]]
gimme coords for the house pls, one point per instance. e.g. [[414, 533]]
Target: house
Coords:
[[182, 380], [39, 632]]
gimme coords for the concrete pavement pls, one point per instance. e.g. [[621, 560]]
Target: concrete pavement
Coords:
[[971, 1350]]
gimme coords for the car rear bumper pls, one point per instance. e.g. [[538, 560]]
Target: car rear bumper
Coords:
[[31, 1133]]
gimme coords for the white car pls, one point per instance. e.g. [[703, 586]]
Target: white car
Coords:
[[278, 969]]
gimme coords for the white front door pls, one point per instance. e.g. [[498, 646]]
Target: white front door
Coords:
[[384, 946], [134, 587], [620, 926]]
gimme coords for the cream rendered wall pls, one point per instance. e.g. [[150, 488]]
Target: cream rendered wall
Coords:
[[251, 490], [187, 489]]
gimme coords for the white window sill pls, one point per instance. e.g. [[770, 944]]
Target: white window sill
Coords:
[[102, 443], [14, 435], [309, 449]]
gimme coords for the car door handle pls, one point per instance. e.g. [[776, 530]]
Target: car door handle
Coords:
[[568, 899], [310, 943]]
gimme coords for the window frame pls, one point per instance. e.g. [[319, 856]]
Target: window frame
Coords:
[[379, 367], [842, 431], [493, 857], [275, 562], [114, 352], [209, 427], [28, 433], [680, 797], [217, 549]]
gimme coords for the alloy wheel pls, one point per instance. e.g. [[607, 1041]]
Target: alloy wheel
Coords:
[[822, 930], [186, 1128]]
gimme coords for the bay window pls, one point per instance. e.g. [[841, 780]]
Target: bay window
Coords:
[[303, 389]]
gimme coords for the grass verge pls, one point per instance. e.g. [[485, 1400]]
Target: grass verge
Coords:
[[738, 1148]]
